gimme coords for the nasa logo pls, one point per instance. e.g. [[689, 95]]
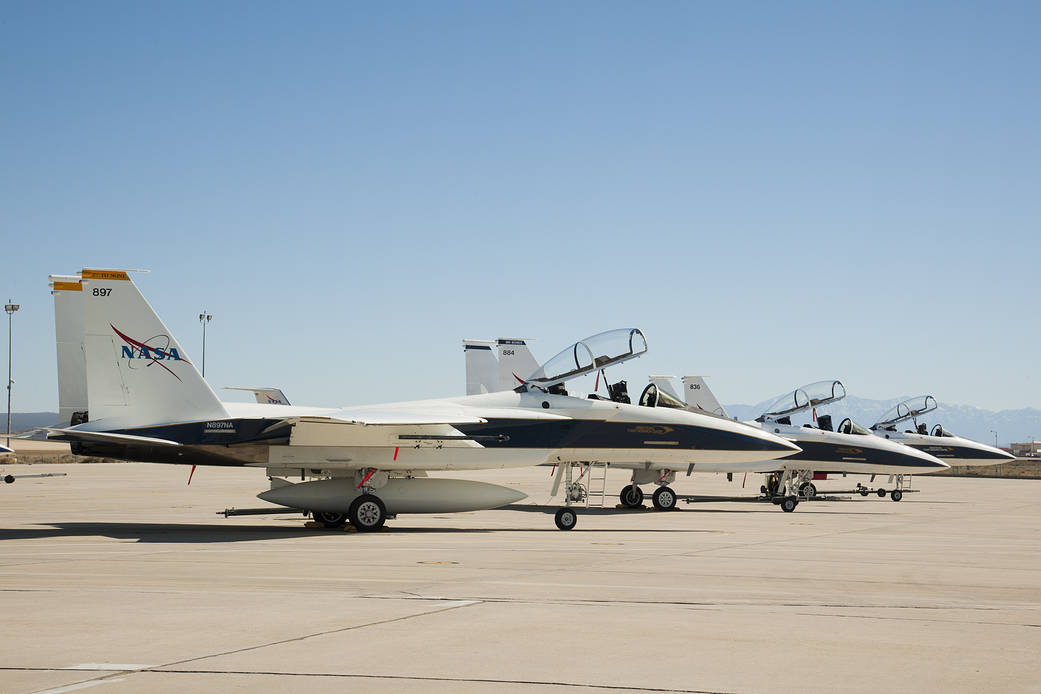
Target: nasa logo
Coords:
[[155, 353]]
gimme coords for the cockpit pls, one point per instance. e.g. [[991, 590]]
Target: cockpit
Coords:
[[848, 426], [809, 396], [912, 409], [587, 357], [653, 396]]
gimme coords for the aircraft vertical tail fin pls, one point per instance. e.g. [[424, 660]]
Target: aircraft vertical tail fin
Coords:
[[516, 362], [699, 397], [482, 367], [68, 331], [137, 372]]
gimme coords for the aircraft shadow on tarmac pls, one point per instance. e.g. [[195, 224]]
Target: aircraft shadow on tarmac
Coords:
[[210, 533], [202, 533], [162, 532]]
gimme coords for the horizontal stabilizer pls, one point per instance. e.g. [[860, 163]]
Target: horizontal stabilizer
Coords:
[[102, 437], [265, 396]]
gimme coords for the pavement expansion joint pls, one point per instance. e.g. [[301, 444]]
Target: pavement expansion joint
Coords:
[[458, 604], [460, 680]]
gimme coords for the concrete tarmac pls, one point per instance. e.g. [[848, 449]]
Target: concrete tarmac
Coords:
[[120, 578]]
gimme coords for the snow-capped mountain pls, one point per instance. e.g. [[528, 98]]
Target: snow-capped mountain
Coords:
[[964, 420]]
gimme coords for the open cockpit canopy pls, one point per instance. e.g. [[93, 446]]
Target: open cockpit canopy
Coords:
[[589, 356], [908, 409], [811, 395]]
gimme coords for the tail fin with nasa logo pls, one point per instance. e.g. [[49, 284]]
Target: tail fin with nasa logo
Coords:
[[137, 372]]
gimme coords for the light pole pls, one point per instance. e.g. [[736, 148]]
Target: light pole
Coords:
[[995, 438], [204, 318], [10, 308]]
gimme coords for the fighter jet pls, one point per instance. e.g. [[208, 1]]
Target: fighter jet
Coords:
[[848, 449], [952, 449], [493, 365], [147, 402]]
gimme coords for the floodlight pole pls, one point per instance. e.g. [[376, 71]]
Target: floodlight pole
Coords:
[[204, 318], [995, 438], [10, 308]]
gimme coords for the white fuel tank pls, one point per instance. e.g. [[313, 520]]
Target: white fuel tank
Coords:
[[399, 495]]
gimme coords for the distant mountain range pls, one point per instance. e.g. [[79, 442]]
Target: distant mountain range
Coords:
[[970, 422], [963, 420], [25, 421]]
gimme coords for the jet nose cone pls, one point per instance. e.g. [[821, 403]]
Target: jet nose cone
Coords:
[[767, 442], [926, 462]]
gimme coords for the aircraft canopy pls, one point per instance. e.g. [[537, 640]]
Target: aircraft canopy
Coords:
[[653, 396], [908, 409], [590, 355], [811, 395]]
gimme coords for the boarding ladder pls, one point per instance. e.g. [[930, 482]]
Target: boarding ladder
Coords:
[[597, 484]]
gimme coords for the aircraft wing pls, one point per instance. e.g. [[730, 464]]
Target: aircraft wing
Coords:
[[396, 417], [105, 437], [394, 427]]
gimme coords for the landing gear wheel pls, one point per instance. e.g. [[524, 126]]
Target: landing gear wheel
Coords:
[[330, 519], [367, 513], [881, 493], [631, 496], [808, 490], [565, 518], [863, 491], [789, 503], [664, 499], [896, 495]]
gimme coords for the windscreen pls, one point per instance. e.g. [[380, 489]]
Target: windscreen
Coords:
[[908, 409], [589, 355]]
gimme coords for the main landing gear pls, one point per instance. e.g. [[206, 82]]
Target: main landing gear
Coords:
[[330, 519], [663, 498], [366, 513], [631, 496]]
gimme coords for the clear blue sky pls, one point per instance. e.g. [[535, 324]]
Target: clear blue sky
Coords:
[[776, 193]]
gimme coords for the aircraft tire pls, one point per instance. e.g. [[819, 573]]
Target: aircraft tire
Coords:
[[896, 495], [789, 503], [565, 518], [367, 513], [330, 519], [881, 493], [664, 499], [631, 496], [863, 491]]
